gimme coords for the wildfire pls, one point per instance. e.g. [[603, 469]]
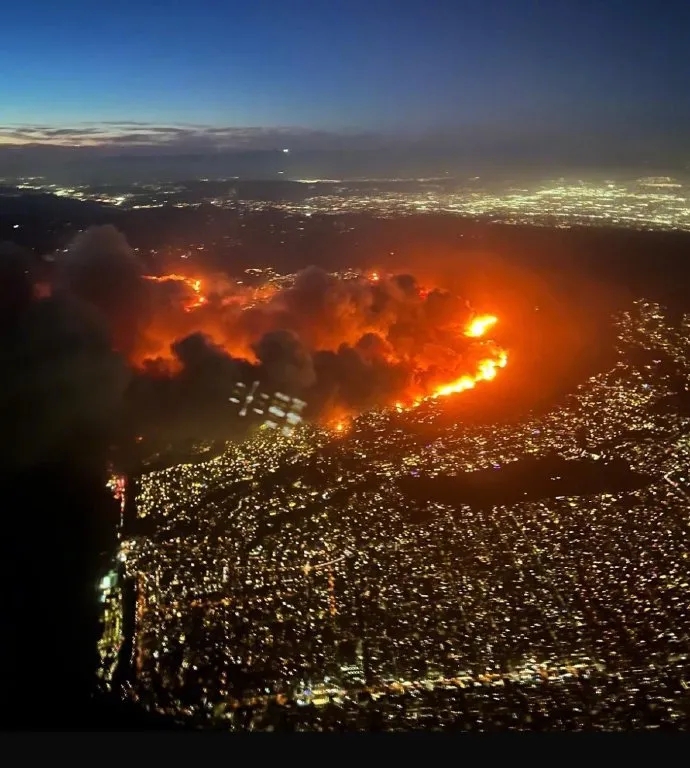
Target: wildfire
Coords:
[[487, 370], [338, 426], [480, 325], [236, 298], [198, 299]]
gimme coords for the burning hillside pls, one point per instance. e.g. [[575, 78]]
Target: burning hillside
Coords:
[[426, 339], [342, 343]]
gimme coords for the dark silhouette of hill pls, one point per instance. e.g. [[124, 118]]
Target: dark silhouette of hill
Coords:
[[43, 222], [44, 206], [57, 396], [524, 480]]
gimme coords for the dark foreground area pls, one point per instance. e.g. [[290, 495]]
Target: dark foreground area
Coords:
[[59, 530]]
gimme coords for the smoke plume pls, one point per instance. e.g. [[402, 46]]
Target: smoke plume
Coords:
[[342, 343], [62, 382], [100, 268]]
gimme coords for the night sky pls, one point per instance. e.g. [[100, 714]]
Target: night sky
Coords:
[[268, 72]]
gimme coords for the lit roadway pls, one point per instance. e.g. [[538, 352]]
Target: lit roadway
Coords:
[[553, 673]]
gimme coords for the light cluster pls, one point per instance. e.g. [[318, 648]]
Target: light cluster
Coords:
[[644, 203], [302, 574]]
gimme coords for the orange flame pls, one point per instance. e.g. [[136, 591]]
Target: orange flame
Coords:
[[480, 325], [191, 282], [486, 369], [339, 425]]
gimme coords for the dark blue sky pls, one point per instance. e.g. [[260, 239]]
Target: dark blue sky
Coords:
[[496, 66]]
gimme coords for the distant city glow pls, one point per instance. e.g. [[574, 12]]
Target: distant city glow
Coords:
[[646, 203]]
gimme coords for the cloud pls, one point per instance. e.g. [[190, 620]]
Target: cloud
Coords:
[[115, 152], [182, 137]]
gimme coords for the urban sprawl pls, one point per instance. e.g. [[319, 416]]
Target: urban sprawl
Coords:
[[361, 579]]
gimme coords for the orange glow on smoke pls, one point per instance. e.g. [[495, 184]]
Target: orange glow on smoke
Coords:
[[194, 283], [222, 318], [189, 311], [487, 370]]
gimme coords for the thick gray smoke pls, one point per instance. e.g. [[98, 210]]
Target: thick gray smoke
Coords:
[[62, 383], [100, 268], [352, 343], [287, 363]]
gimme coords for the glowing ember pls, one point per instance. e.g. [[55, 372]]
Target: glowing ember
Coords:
[[117, 484]]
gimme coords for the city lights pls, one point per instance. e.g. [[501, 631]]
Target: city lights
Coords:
[[272, 559]]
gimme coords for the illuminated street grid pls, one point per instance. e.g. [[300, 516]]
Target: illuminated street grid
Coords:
[[645, 203], [290, 570]]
